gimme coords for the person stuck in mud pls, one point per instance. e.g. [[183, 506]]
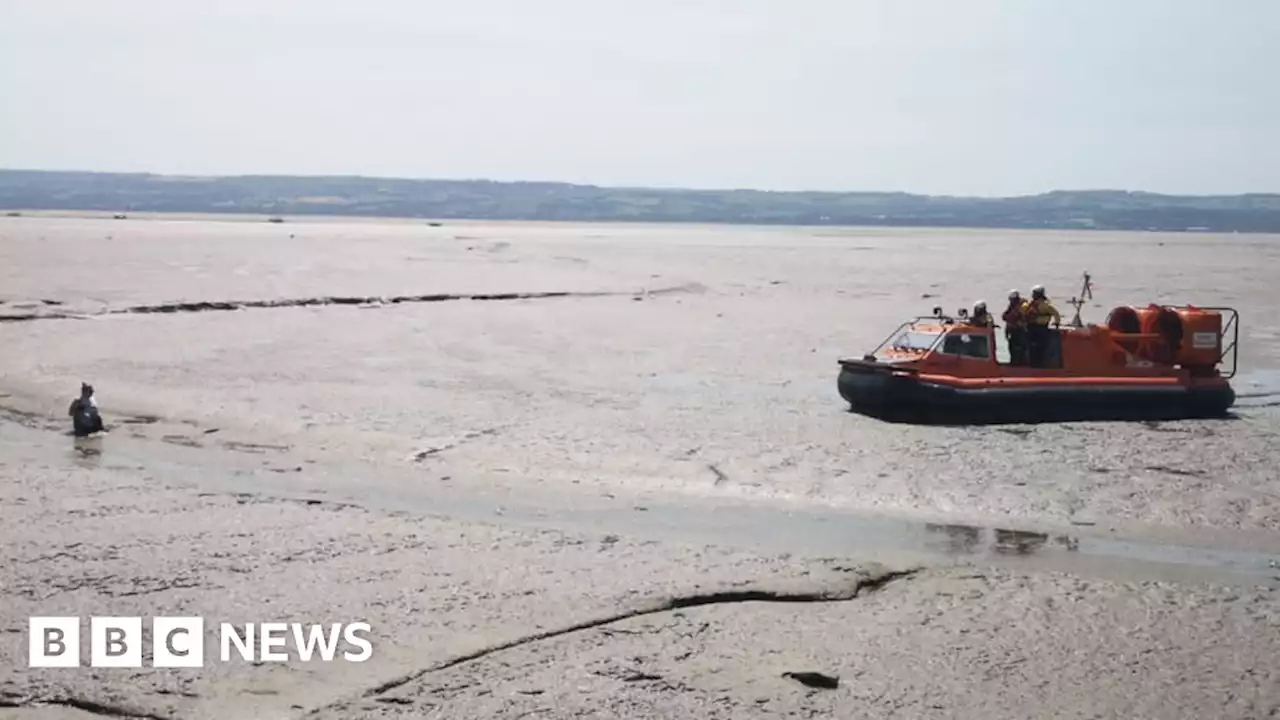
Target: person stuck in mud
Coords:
[[85, 419]]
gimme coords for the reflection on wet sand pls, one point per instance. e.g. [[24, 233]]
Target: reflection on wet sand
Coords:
[[959, 539], [1017, 542], [87, 452], [968, 540]]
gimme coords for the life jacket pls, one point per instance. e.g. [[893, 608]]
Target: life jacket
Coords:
[[1041, 312], [1015, 316]]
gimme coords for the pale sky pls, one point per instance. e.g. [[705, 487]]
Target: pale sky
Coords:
[[966, 97]]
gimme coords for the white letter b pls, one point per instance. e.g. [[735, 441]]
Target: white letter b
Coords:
[[53, 642], [115, 642]]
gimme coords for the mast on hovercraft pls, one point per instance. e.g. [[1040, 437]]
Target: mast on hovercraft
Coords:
[[1086, 293]]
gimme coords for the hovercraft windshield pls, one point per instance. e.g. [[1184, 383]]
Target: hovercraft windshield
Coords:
[[909, 342]]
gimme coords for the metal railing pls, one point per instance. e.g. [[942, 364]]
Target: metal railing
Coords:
[[1233, 327]]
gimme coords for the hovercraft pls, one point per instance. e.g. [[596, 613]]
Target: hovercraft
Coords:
[[1159, 362]]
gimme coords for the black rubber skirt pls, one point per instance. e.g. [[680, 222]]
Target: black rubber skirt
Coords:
[[907, 399]]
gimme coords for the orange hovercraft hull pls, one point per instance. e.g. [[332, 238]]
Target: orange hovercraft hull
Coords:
[[945, 371]]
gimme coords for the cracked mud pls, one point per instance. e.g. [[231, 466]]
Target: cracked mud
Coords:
[[610, 508], [810, 590]]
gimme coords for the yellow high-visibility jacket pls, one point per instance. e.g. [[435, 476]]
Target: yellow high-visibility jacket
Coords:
[[1040, 312]]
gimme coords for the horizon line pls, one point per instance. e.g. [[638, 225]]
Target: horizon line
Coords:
[[657, 188]]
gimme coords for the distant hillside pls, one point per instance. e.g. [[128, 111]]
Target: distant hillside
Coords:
[[484, 200]]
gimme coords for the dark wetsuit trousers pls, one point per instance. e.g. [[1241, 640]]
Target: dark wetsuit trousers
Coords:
[[1037, 344], [1017, 337]]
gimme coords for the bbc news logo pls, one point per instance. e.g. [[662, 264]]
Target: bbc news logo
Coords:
[[178, 642]]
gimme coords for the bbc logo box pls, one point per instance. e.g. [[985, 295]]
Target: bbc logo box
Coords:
[[176, 642]]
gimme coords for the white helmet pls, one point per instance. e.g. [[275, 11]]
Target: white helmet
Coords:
[[1015, 295], [1037, 290], [980, 305]]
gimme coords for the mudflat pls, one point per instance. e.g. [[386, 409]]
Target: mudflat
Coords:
[[603, 471]]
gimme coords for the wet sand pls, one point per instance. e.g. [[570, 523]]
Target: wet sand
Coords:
[[464, 473]]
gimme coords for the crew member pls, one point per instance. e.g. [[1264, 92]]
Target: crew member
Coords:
[[1039, 313], [980, 316], [85, 419], [1015, 328]]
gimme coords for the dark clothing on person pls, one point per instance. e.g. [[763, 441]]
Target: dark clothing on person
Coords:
[[1040, 312], [85, 419], [1017, 338], [1038, 344], [1015, 331]]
